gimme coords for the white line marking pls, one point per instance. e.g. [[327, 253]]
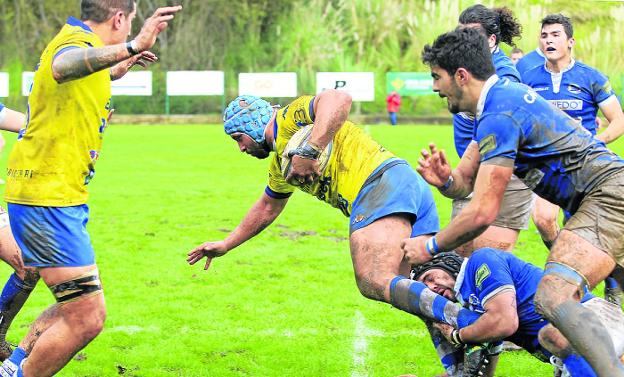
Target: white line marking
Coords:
[[360, 345]]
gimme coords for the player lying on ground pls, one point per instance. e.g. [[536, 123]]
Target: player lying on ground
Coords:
[[517, 131], [17, 289], [500, 287], [382, 195]]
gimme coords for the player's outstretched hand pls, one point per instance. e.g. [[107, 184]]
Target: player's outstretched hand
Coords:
[[304, 171], [415, 251], [142, 59], [209, 250], [154, 26], [433, 166]]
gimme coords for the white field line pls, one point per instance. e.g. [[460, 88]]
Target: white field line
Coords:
[[360, 345]]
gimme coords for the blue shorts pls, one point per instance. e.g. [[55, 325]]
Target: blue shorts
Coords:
[[52, 236], [394, 187]]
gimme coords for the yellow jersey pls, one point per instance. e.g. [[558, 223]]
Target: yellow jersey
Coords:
[[355, 155], [53, 160]]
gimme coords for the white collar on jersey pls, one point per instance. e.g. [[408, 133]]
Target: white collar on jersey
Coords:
[[459, 280], [556, 77], [484, 92], [569, 67], [540, 53]]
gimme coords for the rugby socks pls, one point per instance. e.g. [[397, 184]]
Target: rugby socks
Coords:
[[577, 366], [14, 363], [414, 297], [452, 358], [611, 282], [13, 297], [588, 336]]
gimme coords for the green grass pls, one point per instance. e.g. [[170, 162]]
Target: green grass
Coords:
[[284, 304]]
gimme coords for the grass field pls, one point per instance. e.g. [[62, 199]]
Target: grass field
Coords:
[[284, 304]]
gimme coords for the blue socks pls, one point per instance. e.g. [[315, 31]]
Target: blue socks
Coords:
[[12, 287], [414, 297], [611, 282], [577, 366]]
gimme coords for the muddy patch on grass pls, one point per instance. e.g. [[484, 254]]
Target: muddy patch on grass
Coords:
[[295, 235]]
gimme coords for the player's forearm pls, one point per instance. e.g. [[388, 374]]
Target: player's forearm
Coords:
[[331, 111], [468, 225], [80, 62], [488, 328], [614, 130], [12, 120], [259, 217], [459, 188]]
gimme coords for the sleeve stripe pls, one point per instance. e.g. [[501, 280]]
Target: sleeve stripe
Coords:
[[500, 161], [503, 288], [311, 109], [277, 195], [64, 49], [607, 101]]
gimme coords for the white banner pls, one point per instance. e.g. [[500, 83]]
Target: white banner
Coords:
[[282, 84], [137, 83], [195, 83], [360, 85], [4, 84], [27, 81]]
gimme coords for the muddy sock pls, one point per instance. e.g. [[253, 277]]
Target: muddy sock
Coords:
[[589, 337], [13, 297]]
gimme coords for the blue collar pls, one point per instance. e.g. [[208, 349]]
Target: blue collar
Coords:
[[72, 21]]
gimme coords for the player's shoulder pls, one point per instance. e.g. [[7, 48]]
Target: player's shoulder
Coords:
[[584, 71]]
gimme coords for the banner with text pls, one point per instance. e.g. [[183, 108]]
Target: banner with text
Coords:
[[360, 85], [409, 83], [137, 83], [195, 83], [4, 84], [281, 84]]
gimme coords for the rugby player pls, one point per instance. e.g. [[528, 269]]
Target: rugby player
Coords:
[[498, 25], [516, 55], [383, 197], [580, 91], [517, 131], [531, 60], [21, 283], [500, 287], [53, 161]]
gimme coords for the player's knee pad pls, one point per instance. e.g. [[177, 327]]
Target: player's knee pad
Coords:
[[82, 286], [569, 274]]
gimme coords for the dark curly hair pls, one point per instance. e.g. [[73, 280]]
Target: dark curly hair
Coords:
[[497, 21], [559, 18], [461, 48]]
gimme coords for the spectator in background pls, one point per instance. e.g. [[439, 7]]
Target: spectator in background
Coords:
[[393, 104], [516, 54]]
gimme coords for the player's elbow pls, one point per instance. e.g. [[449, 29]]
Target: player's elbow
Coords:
[[339, 98], [57, 74]]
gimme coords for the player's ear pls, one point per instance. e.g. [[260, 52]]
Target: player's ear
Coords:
[[492, 41], [571, 43], [461, 76], [118, 19]]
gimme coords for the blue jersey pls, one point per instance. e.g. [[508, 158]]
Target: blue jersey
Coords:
[[578, 90], [550, 152], [463, 124], [489, 272], [529, 61]]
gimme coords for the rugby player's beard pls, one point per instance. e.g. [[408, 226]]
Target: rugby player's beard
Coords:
[[260, 151], [457, 95]]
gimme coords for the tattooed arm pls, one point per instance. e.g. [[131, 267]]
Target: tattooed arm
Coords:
[[80, 62]]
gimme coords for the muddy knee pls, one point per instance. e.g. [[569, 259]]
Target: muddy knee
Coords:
[[370, 285], [560, 283], [554, 341]]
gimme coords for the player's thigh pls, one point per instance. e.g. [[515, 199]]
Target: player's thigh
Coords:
[[9, 251], [497, 237], [378, 245], [576, 252]]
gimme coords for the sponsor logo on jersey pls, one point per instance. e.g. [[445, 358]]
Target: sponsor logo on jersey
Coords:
[[574, 89], [541, 89], [482, 273], [567, 104], [487, 144]]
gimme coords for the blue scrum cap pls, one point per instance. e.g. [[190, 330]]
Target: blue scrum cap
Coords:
[[249, 115]]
